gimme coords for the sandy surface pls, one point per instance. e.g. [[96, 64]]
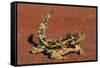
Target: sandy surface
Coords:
[[66, 19]]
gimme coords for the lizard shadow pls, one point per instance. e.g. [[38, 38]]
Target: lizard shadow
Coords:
[[30, 40]]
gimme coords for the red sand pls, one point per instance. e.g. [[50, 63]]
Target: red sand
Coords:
[[65, 19]]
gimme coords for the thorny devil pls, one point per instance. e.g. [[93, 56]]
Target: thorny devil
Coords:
[[57, 49]]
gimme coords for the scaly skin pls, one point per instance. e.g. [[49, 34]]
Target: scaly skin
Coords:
[[42, 28], [57, 48]]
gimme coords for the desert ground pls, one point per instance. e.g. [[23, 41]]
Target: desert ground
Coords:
[[66, 19]]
